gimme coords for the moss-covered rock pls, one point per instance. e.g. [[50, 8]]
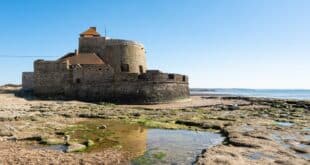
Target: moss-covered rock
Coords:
[[76, 147], [89, 143]]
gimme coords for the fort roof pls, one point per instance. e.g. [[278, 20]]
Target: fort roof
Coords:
[[82, 58], [91, 32]]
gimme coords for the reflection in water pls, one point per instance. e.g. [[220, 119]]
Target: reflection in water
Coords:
[[130, 138], [145, 146]]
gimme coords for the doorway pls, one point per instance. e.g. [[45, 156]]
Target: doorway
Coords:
[[141, 68]]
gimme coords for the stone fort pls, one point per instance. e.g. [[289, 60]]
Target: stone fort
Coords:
[[105, 69]]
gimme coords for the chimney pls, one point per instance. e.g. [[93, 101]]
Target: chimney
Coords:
[[94, 28], [68, 64]]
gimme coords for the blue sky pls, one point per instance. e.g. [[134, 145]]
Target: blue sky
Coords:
[[218, 43]]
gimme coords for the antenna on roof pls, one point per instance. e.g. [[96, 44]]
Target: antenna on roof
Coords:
[[105, 31]]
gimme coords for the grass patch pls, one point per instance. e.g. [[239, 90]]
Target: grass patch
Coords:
[[158, 124], [149, 159], [159, 155]]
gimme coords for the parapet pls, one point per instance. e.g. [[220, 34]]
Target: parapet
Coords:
[[49, 66], [27, 80], [158, 76], [110, 42], [155, 76]]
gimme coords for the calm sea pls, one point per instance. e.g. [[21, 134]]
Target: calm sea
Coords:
[[269, 93]]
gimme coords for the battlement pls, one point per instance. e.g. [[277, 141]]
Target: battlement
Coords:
[[49, 66], [27, 80], [123, 42], [151, 76], [158, 76]]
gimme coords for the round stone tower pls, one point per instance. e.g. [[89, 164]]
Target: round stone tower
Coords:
[[122, 55], [125, 56]]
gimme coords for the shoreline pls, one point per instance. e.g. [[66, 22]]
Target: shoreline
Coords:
[[242, 96], [255, 129]]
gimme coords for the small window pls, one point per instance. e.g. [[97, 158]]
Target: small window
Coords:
[[78, 80], [171, 76], [142, 77], [184, 78], [125, 68], [99, 69], [141, 68]]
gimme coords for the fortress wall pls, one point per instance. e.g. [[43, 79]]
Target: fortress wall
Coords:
[[50, 77], [92, 45], [134, 56], [156, 75], [126, 77], [123, 77], [99, 83], [118, 52], [112, 56], [49, 66], [27, 80], [128, 87], [123, 42], [92, 74], [133, 92], [153, 92]]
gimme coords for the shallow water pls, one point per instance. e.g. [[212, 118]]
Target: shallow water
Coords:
[[144, 146], [306, 129], [280, 139], [176, 146], [304, 155], [130, 138], [59, 147], [284, 124], [259, 155]]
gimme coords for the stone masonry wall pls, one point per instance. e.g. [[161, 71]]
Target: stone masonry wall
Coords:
[[131, 88], [27, 80], [100, 83], [116, 52], [92, 45], [50, 77], [130, 54], [130, 92], [91, 74]]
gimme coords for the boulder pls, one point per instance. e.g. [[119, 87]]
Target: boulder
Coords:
[[89, 143], [4, 132], [67, 139], [233, 107], [102, 127], [303, 150], [76, 147]]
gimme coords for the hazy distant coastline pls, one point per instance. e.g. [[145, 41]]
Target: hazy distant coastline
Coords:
[[300, 94]]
